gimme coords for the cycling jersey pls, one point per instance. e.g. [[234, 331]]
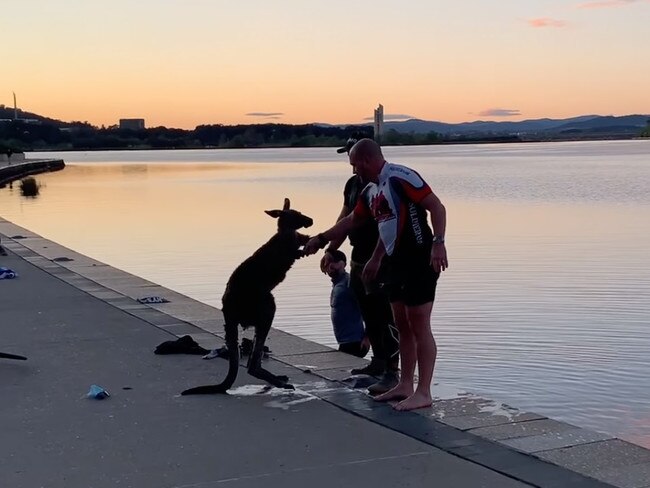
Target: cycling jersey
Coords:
[[393, 203]]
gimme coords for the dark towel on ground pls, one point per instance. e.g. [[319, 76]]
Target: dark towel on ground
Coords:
[[184, 345]]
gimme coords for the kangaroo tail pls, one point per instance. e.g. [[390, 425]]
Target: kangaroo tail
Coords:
[[232, 342], [5, 355]]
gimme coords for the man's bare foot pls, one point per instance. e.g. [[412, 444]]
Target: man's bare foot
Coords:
[[415, 401], [400, 392]]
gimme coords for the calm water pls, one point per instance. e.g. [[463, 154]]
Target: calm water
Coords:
[[546, 304]]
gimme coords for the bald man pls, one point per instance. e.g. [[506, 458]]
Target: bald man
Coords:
[[399, 200]]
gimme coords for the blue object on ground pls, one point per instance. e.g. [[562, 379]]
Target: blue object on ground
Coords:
[[7, 274], [97, 392]]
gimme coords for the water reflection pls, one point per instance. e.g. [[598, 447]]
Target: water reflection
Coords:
[[546, 304]]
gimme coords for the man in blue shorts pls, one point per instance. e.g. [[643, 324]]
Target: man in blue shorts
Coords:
[[398, 199]]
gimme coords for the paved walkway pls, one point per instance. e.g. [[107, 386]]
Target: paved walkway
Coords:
[[79, 323]]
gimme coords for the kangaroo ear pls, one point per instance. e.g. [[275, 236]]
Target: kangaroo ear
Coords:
[[273, 213], [287, 204]]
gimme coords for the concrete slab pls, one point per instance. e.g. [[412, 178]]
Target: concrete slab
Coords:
[[214, 326], [154, 317], [546, 442], [105, 294], [598, 456], [206, 340], [413, 470], [323, 360], [38, 260], [99, 273], [521, 466], [635, 476], [124, 279], [182, 328], [471, 412], [487, 419], [522, 429], [186, 309], [284, 344], [339, 374]]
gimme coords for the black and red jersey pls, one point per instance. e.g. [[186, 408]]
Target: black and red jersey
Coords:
[[394, 203]]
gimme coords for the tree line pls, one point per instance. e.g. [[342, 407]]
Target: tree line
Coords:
[[44, 135]]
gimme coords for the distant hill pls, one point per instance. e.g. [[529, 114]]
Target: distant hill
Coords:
[[36, 132], [586, 124], [8, 113], [625, 123]]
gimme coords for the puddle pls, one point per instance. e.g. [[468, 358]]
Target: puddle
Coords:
[[284, 399], [499, 409], [250, 390]]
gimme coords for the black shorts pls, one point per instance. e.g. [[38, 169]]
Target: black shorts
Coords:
[[412, 279]]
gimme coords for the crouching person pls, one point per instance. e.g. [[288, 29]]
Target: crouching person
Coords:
[[346, 315]]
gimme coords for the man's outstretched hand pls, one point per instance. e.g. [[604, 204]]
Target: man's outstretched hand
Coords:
[[314, 244]]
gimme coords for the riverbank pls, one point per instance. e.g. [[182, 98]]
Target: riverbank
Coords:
[[454, 142], [12, 171], [87, 327]]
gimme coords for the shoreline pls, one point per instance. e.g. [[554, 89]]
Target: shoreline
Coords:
[[464, 417], [270, 146]]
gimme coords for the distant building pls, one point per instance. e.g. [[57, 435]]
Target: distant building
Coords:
[[379, 122], [133, 124]]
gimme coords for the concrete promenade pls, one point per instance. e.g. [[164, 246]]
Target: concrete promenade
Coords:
[[78, 322], [12, 171]]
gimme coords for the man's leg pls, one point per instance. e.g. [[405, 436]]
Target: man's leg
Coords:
[[419, 319], [382, 321], [354, 348], [408, 356], [373, 328]]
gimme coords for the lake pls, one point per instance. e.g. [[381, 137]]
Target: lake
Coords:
[[545, 305]]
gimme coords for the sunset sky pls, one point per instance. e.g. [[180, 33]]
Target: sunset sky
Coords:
[[180, 63]]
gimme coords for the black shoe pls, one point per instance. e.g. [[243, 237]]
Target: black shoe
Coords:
[[376, 367]]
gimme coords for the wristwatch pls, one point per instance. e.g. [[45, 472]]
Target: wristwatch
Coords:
[[438, 240]]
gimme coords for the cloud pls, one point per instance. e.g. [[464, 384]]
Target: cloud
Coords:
[[393, 117], [499, 112], [545, 22], [271, 115], [610, 3]]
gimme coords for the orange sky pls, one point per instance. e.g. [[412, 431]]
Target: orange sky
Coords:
[[183, 63]]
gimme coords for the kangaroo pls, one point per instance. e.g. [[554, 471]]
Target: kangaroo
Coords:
[[248, 301]]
